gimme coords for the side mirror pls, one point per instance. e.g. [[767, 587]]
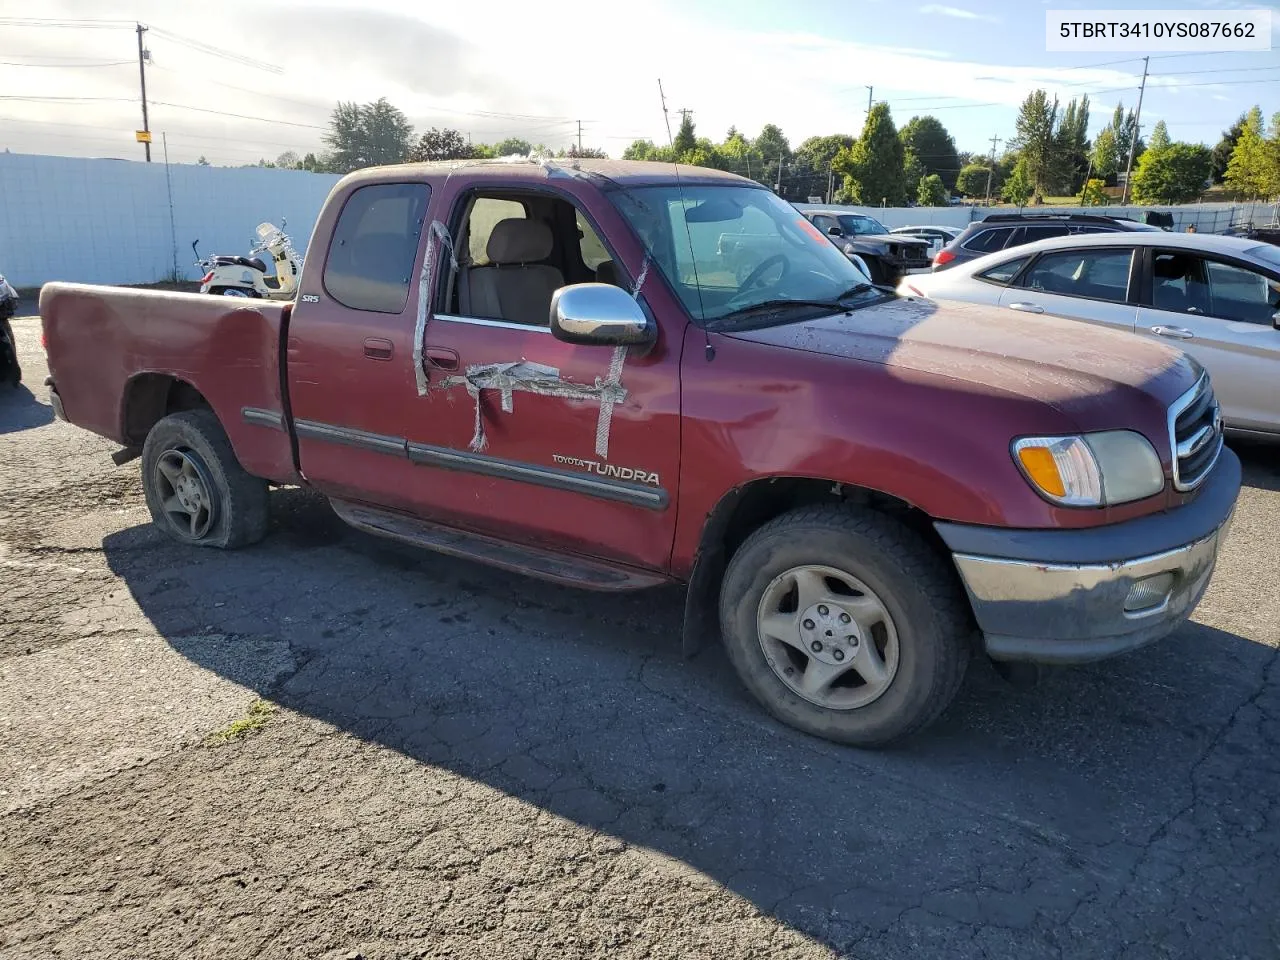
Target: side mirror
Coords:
[[1275, 319], [834, 232], [599, 314]]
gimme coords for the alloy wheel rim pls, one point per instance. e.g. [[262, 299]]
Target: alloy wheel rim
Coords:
[[185, 493], [828, 637]]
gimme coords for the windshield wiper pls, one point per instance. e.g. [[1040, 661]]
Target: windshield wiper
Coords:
[[835, 304]]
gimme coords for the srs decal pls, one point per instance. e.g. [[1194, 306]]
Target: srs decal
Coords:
[[639, 474]]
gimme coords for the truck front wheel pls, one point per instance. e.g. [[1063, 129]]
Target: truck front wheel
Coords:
[[196, 489], [843, 624]]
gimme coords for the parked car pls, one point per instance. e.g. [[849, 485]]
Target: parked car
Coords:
[[552, 369], [886, 255], [1217, 298], [10, 370], [938, 236], [1000, 231]]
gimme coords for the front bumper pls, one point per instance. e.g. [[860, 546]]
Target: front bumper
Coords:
[[1060, 596]]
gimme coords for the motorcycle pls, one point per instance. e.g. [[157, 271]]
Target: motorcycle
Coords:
[[10, 371], [233, 276]]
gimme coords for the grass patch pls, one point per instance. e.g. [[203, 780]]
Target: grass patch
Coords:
[[255, 719]]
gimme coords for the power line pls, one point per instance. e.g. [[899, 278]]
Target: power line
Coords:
[[67, 66], [68, 23], [210, 50]]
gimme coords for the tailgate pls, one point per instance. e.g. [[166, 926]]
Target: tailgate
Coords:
[[111, 349]]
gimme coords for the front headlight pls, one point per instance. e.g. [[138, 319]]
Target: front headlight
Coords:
[[1093, 470]]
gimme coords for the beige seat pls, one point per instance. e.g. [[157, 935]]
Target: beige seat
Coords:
[[514, 286]]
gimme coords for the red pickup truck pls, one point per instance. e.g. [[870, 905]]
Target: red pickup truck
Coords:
[[549, 367]]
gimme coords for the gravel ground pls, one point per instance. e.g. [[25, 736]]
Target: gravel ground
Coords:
[[456, 762]]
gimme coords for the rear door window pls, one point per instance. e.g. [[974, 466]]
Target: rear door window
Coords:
[[1032, 234], [374, 244], [1096, 274], [1004, 272], [988, 241]]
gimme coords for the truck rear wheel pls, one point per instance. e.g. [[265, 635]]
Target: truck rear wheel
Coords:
[[196, 489], [843, 624]]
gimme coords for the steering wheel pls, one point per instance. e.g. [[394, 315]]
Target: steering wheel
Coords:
[[753, 278]]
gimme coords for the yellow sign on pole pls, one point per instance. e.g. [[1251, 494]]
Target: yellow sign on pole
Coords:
[[142, 136]]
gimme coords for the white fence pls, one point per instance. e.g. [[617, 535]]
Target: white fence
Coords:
[[124, 221], [1207, 217]]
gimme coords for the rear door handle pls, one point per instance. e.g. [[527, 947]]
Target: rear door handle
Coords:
[[1173, 333], [442, 357], [376, 348], [1026, 307]]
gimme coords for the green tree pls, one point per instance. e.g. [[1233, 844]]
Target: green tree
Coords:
[[585, 153], [288, 161], [1175, 173], [811, 164], [1222, 151], [446, 144], [1034, 141], [929, 140], [646, 150], [367, 135], [1104, 156], [1019, 188], [512, 147], [972, 181], [312, 163], [203, 161], [1070, 158], [741, 157], [1250, 171], [1159, 138], [773, 148], [931, 192], [685, 140], [873, 168], [912, 172], [1093, 194]]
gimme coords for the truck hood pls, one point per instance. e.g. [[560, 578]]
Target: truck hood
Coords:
[[1092, 374], [905, 239]]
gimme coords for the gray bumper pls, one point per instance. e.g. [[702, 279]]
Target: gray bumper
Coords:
[[1060, 596]]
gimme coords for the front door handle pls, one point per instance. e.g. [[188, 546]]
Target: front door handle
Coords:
[[1026, 307], [1173, 333], [442, 357], [376, 348]]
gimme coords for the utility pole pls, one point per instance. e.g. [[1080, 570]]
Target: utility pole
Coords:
[[579, 136], [1133, 134], [778, 187], [831, 181], [992, 169], [142, 76]]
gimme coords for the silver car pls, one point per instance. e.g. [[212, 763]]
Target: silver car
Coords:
[[1217, 297]]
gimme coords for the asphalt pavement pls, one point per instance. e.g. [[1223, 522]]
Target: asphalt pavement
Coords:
[[330, 745]]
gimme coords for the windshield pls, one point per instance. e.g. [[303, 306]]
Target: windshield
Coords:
[[856, 223], [728, 249]]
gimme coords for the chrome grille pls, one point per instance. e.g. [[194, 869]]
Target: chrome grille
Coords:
[[1195, 433]]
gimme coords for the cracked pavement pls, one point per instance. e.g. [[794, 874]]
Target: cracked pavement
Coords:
[[470, 764]]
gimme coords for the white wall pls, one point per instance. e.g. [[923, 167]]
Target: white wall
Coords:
[[107, 221], [1208, 217]]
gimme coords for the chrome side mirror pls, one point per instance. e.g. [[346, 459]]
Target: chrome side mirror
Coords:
[[599, 314]]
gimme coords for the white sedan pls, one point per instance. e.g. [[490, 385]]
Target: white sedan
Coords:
[[1218, 298]]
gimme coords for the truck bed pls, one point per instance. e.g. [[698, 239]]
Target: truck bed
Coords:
[[118, 357]]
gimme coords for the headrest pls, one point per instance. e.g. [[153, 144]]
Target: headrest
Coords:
[[517, 240], [607, 272], [1170, 268]]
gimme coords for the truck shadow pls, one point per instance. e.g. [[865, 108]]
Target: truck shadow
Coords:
[[20, 410], [581, 704]]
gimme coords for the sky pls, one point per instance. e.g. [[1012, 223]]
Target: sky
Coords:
[[532, 69]]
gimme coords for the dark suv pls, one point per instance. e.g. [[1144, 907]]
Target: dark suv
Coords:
[[1003, 230]]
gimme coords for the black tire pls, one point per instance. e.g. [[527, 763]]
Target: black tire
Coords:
[[10, 370], [919, 591], [239, 500]]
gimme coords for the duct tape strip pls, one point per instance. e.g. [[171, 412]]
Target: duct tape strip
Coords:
[[538, 378], [515, 375], [437, 231]]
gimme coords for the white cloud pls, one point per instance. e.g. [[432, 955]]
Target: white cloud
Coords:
[[958, 13]]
